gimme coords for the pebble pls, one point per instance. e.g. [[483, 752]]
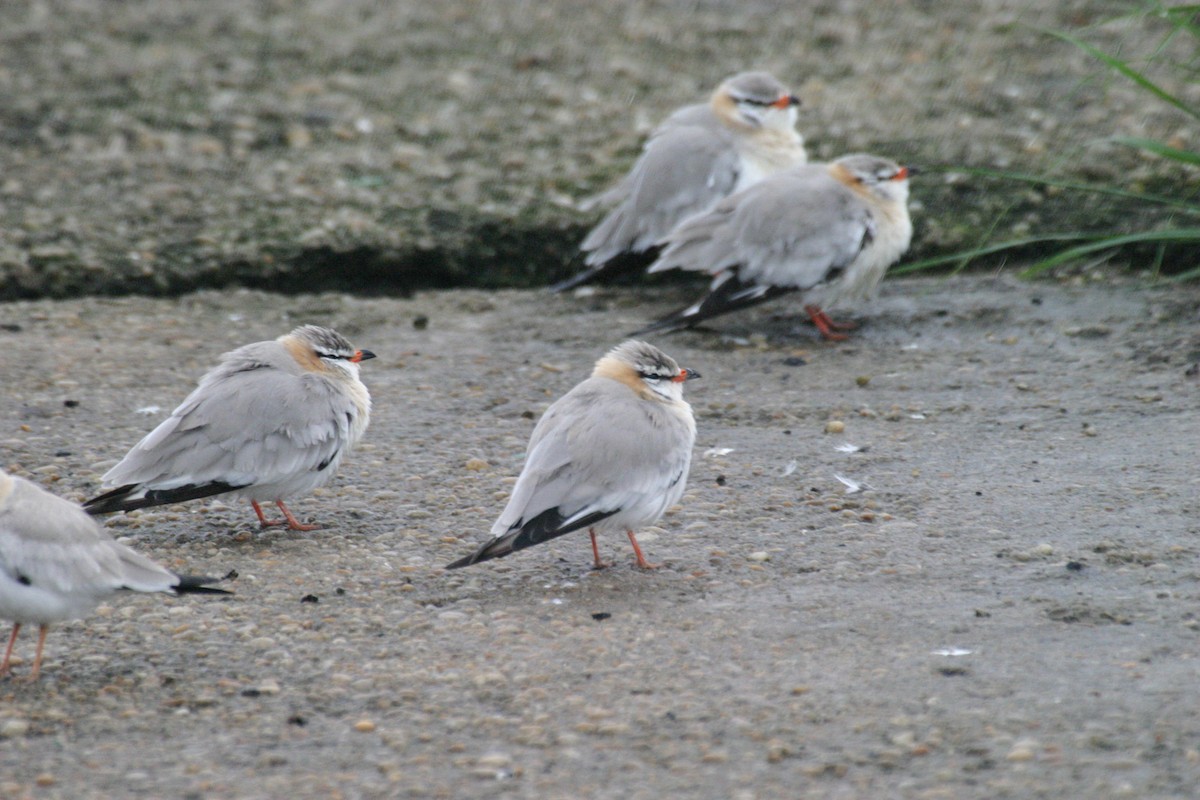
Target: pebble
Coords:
[[13, 728], [759, 555], [494, 761], [1087, 331], [476, 464], [364, 726], [1023, 750], [835, 426]]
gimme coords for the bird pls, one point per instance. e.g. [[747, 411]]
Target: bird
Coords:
[[57, 563], [832, 229], [611, 454], [271, 421], [697, 156]]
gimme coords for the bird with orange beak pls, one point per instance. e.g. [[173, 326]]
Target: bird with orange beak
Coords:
[[272, 421]]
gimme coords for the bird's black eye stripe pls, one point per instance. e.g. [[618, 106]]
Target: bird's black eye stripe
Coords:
[[649, 376], [341, 356]]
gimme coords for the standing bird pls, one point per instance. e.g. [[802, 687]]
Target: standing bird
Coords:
[[57, 564], [611, 454], [833, 227], [271, 421], [699, 155]]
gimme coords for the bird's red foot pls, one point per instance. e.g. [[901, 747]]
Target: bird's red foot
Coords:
[[827, 326], [289, 519], [637, 551], [596, 562]]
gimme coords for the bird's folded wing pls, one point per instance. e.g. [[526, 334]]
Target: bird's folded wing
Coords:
[[247, 427]]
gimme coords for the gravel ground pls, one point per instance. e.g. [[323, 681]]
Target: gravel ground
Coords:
[[1007, 608], [155, 147]]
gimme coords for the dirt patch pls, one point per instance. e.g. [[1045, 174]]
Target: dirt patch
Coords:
[[1006, 608], [157, 148]]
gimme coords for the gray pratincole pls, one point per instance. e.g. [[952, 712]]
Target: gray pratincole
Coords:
[[612, 454], [696, 157], [271, 421], [827, 229], [57, 564]]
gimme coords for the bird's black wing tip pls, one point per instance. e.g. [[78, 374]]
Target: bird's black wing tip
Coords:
[[199, 584], [109, 502], [119, 499]]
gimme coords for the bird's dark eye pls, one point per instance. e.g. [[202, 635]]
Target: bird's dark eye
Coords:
[[649, 376], [332, 355]]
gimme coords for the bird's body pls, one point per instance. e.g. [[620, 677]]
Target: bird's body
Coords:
[[697, 156], [272, 420], [611, 454], [831, 230], [57, 564]]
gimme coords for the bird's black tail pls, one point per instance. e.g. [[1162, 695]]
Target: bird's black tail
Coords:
[[198, 584], [622, 264], [122, 498], [728, 293], [542, 528]]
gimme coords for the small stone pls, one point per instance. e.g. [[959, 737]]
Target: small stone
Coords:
[[1088, 331], [862, 380], [13, 728], [364, 726], [476, 464], [835, 426], [44, 779], [777, 751], [494, 761], [268, 686], [1043, 549], [1023, 750], [759, 556]]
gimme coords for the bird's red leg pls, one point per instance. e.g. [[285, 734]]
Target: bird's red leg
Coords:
[[827, 326], [37, 659], [293, 523], [637, 551], [596, 562], [262, 518], [8, 650]]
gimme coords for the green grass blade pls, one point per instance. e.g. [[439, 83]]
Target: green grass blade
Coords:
[[1158, 148], [1043, 180], [1129, 72], [965, 256], [1168, 236]]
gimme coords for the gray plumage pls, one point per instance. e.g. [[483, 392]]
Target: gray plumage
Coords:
[[272, 420], [698, 155], [57, 564], [611, 454], [834, 228]]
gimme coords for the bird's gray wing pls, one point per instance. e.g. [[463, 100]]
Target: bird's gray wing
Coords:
[[581, 463], [52, 544], [242, 427], [683, 171], [793, 231]]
